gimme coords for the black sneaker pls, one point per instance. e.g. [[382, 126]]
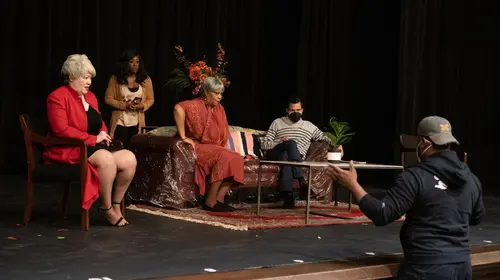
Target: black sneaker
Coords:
[[226, 206], [288, 200], [303, 189], [216, 208]]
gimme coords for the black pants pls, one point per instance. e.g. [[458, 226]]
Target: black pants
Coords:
[[287, 151], [452, 271], [125, 133]]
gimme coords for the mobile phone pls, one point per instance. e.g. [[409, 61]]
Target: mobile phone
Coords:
[[137, 100]]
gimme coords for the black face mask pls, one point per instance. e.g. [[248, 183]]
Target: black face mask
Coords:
[[295, 116]]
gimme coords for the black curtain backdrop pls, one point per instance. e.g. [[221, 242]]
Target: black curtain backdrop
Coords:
[[448, 66], [343, 58]]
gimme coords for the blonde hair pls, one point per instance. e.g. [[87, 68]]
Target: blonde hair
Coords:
[[76, 66]]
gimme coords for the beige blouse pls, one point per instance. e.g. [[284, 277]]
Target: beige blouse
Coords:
[[129, 117], [114, 98]]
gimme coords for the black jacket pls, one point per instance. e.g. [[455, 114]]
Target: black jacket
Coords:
[[441, 199]]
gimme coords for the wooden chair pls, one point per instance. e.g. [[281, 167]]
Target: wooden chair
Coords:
[[35, 139], [408, 149]]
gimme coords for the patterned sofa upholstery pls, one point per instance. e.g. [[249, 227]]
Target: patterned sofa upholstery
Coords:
[[165, 170]]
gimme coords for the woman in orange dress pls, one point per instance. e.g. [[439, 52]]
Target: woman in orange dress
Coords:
[[202, 123]]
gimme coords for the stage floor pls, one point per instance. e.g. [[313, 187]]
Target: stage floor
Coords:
[[153, 246]]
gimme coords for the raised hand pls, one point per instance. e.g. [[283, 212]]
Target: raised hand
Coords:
[[344, 177]]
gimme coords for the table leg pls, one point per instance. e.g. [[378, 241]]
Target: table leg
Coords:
[[309, 183], [350, 200], [336, 187], [259, 178]]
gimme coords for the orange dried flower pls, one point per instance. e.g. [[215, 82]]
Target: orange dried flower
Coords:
[[199, 70]]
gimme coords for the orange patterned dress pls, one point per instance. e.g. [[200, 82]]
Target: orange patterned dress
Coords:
[[209, 129]]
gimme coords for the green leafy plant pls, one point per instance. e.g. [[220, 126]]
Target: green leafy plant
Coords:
[[339, 132], [179, 80]]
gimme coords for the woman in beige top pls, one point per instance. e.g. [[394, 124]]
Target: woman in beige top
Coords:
[[130, 92]]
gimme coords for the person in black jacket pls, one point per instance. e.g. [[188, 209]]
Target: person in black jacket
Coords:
[[441, 198]]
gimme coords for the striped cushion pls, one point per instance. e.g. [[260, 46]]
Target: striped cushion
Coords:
[[257, 139], [242, 143]]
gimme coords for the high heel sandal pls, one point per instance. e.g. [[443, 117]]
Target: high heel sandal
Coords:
[[117, 224], [118, 203]]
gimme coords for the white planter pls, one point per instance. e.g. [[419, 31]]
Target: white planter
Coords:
[[334, 156]]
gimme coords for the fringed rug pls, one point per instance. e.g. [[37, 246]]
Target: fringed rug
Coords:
[[272, 216]]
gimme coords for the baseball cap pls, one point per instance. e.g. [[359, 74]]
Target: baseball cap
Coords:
[[438, 129]]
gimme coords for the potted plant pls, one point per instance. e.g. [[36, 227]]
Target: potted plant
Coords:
[[339, 134]]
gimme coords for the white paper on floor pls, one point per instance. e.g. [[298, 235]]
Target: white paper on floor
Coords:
[[210, 270], [298, 261]]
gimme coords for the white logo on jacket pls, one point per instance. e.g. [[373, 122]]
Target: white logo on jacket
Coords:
[[440, 185]]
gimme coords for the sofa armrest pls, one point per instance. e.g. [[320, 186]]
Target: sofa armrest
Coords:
[[180, 153], [153, 141], [318, 151], [165, 172]]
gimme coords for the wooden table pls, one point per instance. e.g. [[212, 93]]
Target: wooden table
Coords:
[[310, 165]]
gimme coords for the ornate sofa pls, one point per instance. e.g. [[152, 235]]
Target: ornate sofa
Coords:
[[165, 170]]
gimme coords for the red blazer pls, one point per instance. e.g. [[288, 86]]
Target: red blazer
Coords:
[[67, 118]]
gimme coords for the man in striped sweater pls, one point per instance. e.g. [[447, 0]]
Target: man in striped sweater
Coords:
[[289, 139]]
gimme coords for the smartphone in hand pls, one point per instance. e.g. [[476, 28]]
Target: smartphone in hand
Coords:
[[137, 100]]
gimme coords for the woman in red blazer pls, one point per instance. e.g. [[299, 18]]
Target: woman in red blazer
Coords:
[[73, 112]]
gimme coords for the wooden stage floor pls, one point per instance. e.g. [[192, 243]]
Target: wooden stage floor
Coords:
[[153, 247]]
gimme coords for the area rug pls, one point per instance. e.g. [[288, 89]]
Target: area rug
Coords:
[[272, 216]]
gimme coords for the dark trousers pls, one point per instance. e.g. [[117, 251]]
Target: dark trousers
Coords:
[[287, 151], [452, 271], [125, 133]]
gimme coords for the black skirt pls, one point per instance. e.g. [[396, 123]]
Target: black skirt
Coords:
[[94, 125], [92, 150]]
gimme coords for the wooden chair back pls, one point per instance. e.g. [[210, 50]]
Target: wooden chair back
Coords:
[[408, 145], [30, 127]]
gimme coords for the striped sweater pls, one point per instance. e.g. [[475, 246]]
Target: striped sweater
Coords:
[[302, 132]]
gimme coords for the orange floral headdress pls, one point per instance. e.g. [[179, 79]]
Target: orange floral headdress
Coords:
[[199, 71]]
